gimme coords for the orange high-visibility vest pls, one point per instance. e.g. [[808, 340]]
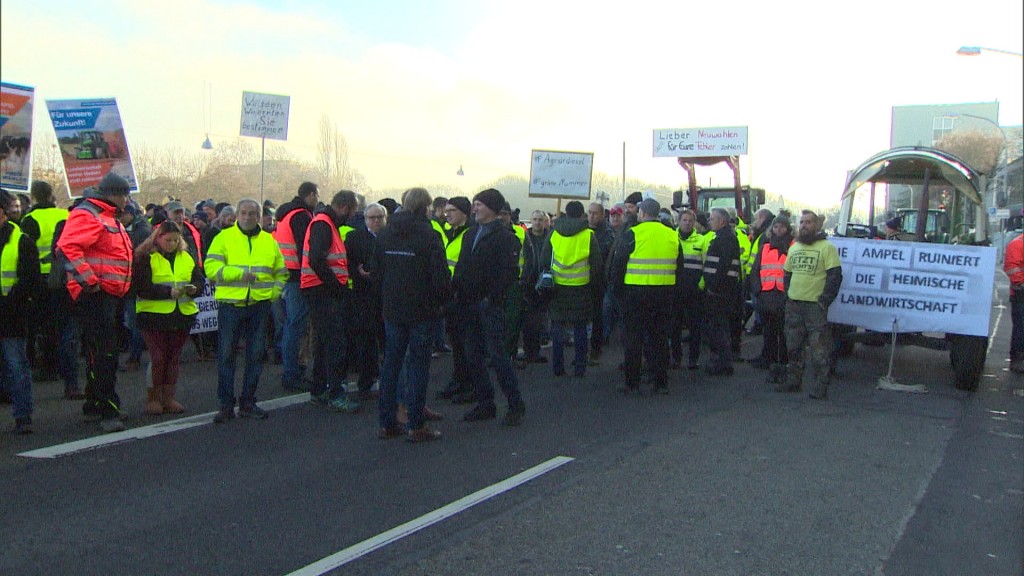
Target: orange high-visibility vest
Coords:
[[772, 271], [286, 240], [337, 257]]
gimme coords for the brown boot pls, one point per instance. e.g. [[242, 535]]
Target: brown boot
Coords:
[[170, 405], [153, 405]]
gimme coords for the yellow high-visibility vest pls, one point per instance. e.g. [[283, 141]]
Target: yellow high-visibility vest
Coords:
[[570, 258], [521, 235], [9, 261], [453, 249], [177, 277], [47, 219], [653, 261], [233, 254]]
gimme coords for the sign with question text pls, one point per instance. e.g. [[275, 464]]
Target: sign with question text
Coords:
[[700, 142], [923, 287], [557, 174]]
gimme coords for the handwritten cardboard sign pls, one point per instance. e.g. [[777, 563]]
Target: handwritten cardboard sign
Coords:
[[555, 174], [265, 115], [700, 142]]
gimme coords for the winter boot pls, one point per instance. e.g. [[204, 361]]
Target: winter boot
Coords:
[[170, 405], [154, 406]]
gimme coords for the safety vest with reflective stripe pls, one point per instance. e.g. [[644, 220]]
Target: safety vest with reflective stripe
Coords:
[[693, 248], [47, 219], [570, 258], [744, 241], [9, 261], [453, 249], [772, 272], [106, 257], [286, 240], [755, 248], [653, 261], [232, 254], [521, 235], [337, 257], [176, 277]]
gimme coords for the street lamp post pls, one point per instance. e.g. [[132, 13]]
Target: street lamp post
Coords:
[[977, 50]]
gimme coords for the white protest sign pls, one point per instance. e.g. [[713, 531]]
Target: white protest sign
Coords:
[[924, 287], [206, 320], [700, 142], [555, 174], [265, 115]]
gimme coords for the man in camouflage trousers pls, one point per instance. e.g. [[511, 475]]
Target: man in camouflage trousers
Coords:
[[813, 276]]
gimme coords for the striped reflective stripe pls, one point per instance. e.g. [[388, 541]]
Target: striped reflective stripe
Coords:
[[653, 261], [217, 257], [649, 272], [109, 262], [1012, 271], [710, 258]]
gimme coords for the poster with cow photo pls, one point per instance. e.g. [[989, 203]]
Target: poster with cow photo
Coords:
[[15, 136]]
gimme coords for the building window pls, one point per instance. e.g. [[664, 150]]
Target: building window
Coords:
[[941, 126]]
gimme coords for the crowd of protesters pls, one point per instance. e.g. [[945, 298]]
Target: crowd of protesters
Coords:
[[379, 289]]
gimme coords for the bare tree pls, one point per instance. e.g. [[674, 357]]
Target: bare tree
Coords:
[[981, 150]]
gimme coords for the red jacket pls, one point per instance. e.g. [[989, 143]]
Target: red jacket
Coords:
[[97, 248], [1013, 263]]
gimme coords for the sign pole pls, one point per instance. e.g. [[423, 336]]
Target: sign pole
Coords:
[[263, 163]]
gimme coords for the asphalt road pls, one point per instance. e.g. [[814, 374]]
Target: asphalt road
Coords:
[[723, 476]]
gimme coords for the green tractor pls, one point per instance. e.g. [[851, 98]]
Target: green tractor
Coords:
[[92, 145]]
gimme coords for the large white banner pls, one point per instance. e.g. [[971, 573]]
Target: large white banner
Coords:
[[924, 287], [555, 174], [700, 142], [265, 115]]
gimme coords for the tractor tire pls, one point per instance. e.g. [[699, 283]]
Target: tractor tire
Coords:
[[967, 355]]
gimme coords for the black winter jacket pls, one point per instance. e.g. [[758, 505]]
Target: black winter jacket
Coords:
[[490, 269], [410, 261]]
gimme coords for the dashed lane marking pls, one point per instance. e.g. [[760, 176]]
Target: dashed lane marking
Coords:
[[398, 532]]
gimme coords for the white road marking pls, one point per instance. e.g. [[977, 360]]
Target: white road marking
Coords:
[[398, 532], [141, 432]]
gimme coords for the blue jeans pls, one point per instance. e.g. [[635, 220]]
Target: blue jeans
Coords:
[[611, 312], [484, 328], [296, 312], [135, 336], [579, 335], [233, 322], [1017, 317], [18, 376], [411, 345], [279, 319]]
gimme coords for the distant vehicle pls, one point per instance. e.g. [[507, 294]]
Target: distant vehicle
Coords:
[[92, 145], [962, 220], [708, 198]]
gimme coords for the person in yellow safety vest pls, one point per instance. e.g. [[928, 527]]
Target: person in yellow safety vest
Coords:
[[721, 283], [644, 273], [51, 331], [459, 388], [514, 297], [767, 282], [689, 298], [19, 275], [573, 255], [756, 233], [326, 286], [166, 278], [247, 266]]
